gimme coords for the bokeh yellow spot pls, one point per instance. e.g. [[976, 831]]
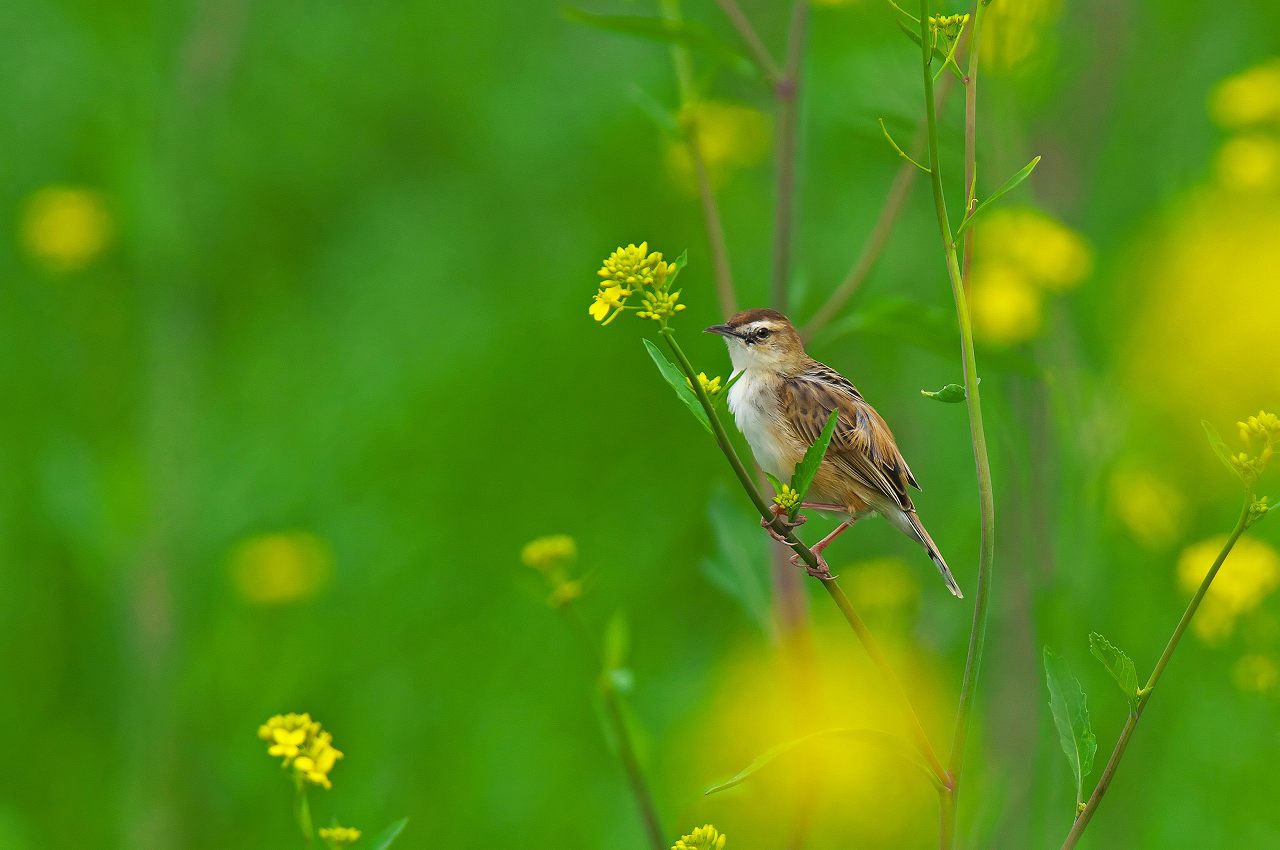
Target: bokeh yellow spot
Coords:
[[1249, 163], [65, 227], [731, 137], [1151, 509], [272, 569], [1006, 306], [1248, 98], [1012, 33], [881, 585], [1051, 255], [1249, 575], [1256, 673]]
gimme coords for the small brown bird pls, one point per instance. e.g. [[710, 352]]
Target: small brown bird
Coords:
[[782, 400]]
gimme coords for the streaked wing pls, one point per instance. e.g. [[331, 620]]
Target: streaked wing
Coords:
[[862, 446]]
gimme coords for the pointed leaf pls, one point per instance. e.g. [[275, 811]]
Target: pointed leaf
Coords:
[[874, 737], [740, 565], [1009, 185], [773, 479], [676, 379], [1220, 448], [937, 52], [951, 394], [1071, 717], [388, 835], [1119, 665], [807, 468], [687, 33]]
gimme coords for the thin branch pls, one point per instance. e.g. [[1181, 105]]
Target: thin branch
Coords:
[[787, 91], [749, 37], [971, 147], [1104, 781], [915, 727]]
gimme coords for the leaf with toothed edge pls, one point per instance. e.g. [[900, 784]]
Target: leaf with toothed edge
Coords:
[[1071, 717], [676, 379], [1119, 665], [807, 468]]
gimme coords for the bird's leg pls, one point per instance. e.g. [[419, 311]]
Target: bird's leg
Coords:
[[826, 506], [767, 524], [822, 571]]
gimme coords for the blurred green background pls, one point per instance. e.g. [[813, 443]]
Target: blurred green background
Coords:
[[295, 356]]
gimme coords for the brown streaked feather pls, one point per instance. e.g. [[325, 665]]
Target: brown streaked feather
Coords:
[[862, 448]]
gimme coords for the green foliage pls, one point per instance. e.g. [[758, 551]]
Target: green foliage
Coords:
[[807, 469], [1220, 449], [950, 394], [688, 33], [1071, 718], [1007, 187], [740, 565], [387, 837], [677, 381], [1119, 665]]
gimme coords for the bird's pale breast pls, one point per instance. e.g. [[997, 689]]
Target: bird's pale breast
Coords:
[[753, 402]]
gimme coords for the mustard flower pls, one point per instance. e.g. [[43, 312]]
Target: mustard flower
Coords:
[[634, 270], [787, 499], [339, 836], [544, 553], [711, 386], [317, 760], [631, 266], [303, 744], [703, 838]]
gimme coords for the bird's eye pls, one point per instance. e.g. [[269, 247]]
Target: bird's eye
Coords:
[[762, 333]]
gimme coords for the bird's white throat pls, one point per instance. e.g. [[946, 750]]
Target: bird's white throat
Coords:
[[753, 401]]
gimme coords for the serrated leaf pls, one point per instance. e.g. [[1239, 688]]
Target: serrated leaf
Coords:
[[676, 379], [951, 394], [1009, 185], [1119, 665], [689, 34], [807, 468], [1220, 448], [1071, 717], [388, 835], [773, 479], [617, 642], [874, 737], [740, 565]]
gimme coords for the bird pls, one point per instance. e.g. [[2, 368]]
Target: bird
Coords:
[[780, 402]]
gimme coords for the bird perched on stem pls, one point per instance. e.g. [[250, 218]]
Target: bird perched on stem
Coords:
[[781, 402]]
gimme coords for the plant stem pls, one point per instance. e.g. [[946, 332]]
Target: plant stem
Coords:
[[721, 269], [986, 500], [1104, 781], [622, 734], [302, 811], [759, 52], [787, 91], [833, 589]]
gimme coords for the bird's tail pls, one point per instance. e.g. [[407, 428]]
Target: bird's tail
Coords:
[[918, 532]]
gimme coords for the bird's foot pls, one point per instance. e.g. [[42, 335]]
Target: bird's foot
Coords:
[[822, 571], [780, 519]]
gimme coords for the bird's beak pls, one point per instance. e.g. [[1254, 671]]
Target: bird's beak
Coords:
[[722, 330]]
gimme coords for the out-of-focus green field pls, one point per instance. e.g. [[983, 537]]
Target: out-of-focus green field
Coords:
[[295, 357]]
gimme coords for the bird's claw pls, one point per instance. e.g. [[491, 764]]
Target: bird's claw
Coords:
[[822, 571], [789, 524]]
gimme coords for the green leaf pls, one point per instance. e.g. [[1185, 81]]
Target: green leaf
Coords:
[[676, 379], [1009, 185], [899, 149], [389, 835], [1119, 665], [740, 565], [937, 52], [1071, 717], [777, 484], [807, 468], [951, 394], [874, 737], [679, 264], [687, 33], [617, 642], [1220, 448]]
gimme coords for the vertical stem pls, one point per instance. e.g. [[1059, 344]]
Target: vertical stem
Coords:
[[971, 141], [787, 92], [1104, 781], [302, 810]]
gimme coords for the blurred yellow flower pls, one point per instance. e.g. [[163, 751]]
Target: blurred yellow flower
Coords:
[[565, 593], [1249, 163], [339, 836], [1013, 33], [317, 759], [703, 838], [1248, 576], [543, 553], [66, 227], [1151, 508], [881, 585], [1006, 307], [731, 137], [1256, 673], [283, 567], [1051, 255], [1248, 98], [286, 733]]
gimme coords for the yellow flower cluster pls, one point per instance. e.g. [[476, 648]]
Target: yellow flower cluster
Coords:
[[787, 499], [551, 556], [66, 227], [1256, 673], [950, 26], [1248, 105], [1263, 432], [1013, 35], [630, 270], [287, 566], [303, 744], [711, 386], [1249, 575], [703, 838], [339, 836], [730, 138], [1022, 254]]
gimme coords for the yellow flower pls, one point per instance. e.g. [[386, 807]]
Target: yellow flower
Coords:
[[1051, 255], [633, 269], [553, 550], [66, 227], [608, 300], [270, 569], [787, 499], [950, 26], [1256, 673], [339, 836], [730, 137], [318, 760], [1248, 98], [710, 386], [1151, 508], [303, 744], [1006, 307], [1250, 574], [703, 838], [1014, 32], [631, 266], [1249, 163], [564, 593]]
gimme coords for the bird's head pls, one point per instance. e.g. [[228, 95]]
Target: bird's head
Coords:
[[762, 339]]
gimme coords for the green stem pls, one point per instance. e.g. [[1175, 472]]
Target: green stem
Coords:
[[787, 94], [1104, 781], [302, 811], [986, 500], [833, 589], [622, 735]]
